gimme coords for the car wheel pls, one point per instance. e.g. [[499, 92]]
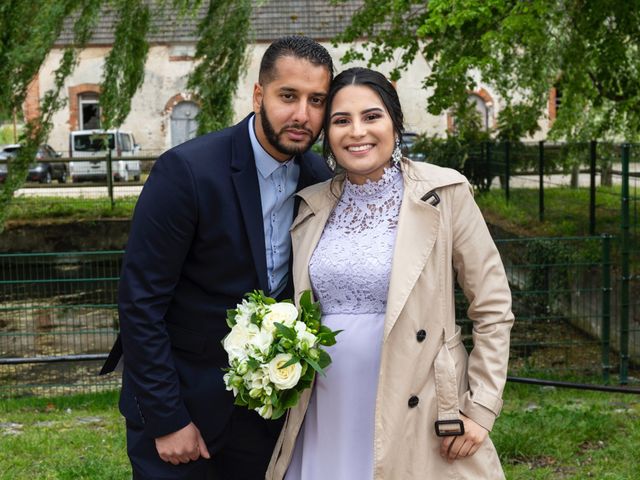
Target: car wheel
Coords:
[[46, 178], [63, 177], [136, 178]]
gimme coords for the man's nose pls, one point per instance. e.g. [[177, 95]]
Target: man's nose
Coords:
[[301, 114]]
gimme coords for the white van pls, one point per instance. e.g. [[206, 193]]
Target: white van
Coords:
[[84, 145]]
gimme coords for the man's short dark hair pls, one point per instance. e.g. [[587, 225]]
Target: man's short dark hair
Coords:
[[293, 46]]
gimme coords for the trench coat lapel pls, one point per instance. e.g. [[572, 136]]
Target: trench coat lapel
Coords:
[[305, 240], [418, 226], [245, 181]]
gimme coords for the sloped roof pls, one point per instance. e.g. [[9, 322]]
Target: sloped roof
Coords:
[[270, 19]]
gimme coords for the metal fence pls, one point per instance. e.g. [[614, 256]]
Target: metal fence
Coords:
[[57, 319], [85, 184], [57, 306]]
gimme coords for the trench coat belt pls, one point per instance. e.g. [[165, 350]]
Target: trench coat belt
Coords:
[[449, 422]]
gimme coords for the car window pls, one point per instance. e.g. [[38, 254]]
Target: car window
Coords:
[[90, 143], [125, 142]]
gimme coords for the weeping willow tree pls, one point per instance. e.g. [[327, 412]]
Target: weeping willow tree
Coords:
[[30, 28]]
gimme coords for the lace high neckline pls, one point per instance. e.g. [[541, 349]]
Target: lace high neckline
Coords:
[[390, 176]]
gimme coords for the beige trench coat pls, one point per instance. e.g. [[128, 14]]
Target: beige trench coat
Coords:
[[433, 243]]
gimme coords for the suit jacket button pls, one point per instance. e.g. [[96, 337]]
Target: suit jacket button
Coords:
[[413, 401], [421, 335]]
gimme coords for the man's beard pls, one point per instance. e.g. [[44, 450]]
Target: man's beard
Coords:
[[274, 138]]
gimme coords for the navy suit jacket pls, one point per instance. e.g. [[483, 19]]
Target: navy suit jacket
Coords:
[[196, 246]]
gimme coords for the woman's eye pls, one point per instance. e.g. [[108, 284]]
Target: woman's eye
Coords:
[[371, 116]]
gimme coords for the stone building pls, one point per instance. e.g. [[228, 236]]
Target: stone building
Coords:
[[163, 111]]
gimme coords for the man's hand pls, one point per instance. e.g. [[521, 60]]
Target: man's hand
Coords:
[[182, 446], [465, 445]]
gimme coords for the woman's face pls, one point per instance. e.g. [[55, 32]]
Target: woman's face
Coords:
[[361, 134]]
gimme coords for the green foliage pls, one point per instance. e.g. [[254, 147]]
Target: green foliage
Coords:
[[6, 135], [223, 36], [587, 48], [37, 25], [28, 30], [124, 66], [464, 149]]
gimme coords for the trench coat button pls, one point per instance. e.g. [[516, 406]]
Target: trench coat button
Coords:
[[413, 401], [421, 335]]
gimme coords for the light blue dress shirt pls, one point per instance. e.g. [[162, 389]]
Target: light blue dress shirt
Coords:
[[278, 182]]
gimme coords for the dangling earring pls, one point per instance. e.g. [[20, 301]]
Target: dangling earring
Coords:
[[396, 156], [331, 162]]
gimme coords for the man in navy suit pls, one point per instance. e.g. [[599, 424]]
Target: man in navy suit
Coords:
[[212, 223]]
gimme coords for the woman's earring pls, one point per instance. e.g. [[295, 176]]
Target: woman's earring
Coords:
[[396, 156], [331, 162]]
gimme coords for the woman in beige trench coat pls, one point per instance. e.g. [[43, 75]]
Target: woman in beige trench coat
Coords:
[[428, 388]]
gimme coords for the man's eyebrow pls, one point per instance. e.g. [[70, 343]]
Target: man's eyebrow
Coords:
[[363, 112], [293, 90]]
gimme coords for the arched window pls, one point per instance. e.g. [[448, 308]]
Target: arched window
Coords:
[[483, 110], [88, 111], [183, 122]]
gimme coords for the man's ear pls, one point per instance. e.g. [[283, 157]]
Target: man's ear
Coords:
[[258, 95]]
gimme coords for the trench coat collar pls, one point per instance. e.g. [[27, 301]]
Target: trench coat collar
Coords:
[[418, 227]]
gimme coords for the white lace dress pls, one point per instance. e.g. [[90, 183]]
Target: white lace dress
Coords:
[[350, 271]]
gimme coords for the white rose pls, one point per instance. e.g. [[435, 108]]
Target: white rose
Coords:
[[285, 313], [305, 337], [284, 378], [235, 343]]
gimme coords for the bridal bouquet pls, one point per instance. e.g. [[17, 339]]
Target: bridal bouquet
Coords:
[[274, 351]]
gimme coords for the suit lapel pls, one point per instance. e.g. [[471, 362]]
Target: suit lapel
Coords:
[[418, 226], [245, 181]]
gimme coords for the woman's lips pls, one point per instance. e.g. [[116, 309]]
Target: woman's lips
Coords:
[[361, 149]]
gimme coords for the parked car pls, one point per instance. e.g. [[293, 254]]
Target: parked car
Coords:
[[408, 141], [44, 169], [88, 150], [3, 166]]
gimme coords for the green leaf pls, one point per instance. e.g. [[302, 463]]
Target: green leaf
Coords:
[[325, 360], [284, 331], [294, 359], [316, 366]]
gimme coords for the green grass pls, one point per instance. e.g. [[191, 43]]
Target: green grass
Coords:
[[543, 433], [62, 208], [546, 433], [63, 438], [566, 211]]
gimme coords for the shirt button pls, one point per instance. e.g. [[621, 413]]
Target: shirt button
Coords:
[[421, 335], [413, 401]]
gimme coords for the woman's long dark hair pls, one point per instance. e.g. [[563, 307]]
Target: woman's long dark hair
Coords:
[[376, 82]]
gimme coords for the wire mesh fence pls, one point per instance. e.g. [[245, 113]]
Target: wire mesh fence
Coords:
[[565, 325], [85, 185], [58, 317], [55, 310]]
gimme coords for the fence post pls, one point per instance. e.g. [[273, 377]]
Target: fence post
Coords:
[[624, 291], [110, 176], [605, 332], [507, 167], [592, 188], [488, 165], [541, 180]]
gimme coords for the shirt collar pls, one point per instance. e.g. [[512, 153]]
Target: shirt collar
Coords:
[[265, 163]]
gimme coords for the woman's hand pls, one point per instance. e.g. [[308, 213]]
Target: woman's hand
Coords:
[[465, 445]]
